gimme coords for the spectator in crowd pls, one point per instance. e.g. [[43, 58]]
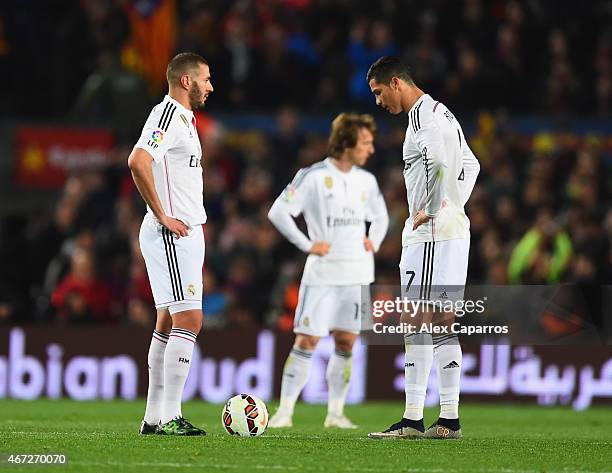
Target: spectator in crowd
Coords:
[[542, 255], [139, 298], [214, 302], [81, 297]]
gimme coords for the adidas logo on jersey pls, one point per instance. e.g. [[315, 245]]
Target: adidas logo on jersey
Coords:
[[452, 364]]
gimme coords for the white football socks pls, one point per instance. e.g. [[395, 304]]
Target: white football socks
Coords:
[[448, 357], [418, 361], [156, 377], [177, 361], [338, 376], [295, 376]]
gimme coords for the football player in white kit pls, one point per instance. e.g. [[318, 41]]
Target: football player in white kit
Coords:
[[166, 167], [440, 171], [336, 197]]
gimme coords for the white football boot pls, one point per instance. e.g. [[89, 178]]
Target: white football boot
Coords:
[[280, 420], [340, 422]]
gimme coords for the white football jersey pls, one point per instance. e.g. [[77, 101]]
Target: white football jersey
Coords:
[[336, 206], [440, 171], [171, 138]]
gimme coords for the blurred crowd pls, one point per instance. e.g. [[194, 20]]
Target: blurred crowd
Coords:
[[526, 56], [539, 213]]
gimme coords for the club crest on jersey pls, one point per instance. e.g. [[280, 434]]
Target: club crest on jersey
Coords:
[[329, 182], [191, 290]]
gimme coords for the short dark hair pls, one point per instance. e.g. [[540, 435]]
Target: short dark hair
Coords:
[[387, 67], [345, 131], [183, 63]]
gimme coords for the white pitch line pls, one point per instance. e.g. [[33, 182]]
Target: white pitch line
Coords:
[[183, 465], [65, 434], [310, 468]]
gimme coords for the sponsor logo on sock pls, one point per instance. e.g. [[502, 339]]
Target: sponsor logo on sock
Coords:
[[452, 364], [409, 365], [184, 360]]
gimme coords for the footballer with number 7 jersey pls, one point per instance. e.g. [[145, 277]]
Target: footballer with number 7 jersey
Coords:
[[336, 197], [166, 167], [440, 171]]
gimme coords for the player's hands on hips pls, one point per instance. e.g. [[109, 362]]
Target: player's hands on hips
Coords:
[[419, 219], [368, 245], [319, 248], [175, 226]]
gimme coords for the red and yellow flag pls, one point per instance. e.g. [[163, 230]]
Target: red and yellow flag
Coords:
[[153, 40]]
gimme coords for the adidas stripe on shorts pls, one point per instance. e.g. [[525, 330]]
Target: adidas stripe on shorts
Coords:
[[435, 270], [174, 265]]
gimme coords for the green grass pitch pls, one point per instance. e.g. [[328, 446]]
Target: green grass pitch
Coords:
[[102, 437]]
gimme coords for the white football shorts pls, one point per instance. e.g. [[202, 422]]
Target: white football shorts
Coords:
[[435, 270], [323, 309], [174, 265]]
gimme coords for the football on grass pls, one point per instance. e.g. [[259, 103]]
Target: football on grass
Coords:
[[245, 415]]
